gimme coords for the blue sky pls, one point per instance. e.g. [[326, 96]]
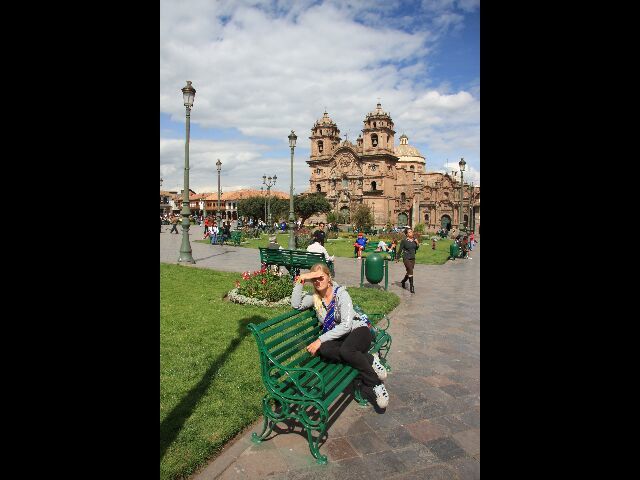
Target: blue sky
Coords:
[[262, 68]]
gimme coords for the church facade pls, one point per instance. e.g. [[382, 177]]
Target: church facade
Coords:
[[391, 179]]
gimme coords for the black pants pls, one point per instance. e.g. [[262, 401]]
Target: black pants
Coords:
[[174, 227], [353, 349], [408, 265]]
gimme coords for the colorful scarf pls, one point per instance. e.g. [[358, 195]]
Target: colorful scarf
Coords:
[[329, 319]]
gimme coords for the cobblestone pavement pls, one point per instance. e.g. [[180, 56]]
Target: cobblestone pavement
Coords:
[[431, 428]]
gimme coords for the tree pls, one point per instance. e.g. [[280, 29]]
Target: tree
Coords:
[[279, 209], [252, 207], [307, 205], [332, 217], [362, 217]]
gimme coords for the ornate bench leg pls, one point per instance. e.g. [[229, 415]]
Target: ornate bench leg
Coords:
[[270, 418], [310, 425], [357, 393], [313, 444]]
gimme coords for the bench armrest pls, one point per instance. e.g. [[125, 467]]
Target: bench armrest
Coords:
[[380, 317], [316, 391]]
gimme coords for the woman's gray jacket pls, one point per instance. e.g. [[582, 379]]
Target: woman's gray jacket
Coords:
[[346, 319]]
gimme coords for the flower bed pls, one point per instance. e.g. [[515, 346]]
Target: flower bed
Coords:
[[262, 287], [235, 297]]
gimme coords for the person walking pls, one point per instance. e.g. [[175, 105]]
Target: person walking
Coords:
[[174, 225], [408, 247], [346, 337]]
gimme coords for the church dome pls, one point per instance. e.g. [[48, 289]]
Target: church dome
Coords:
[[378, 112], [406, 152], [325, 120]]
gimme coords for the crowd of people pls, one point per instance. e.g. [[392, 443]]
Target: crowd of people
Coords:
[[466, 244]]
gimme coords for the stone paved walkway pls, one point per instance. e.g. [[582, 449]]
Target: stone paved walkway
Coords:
[[431, 429]]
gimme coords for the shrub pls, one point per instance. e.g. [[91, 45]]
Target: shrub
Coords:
[[303, 241], [264, 285], [388, 237], [419, 228], [303, 238], [332, 234]]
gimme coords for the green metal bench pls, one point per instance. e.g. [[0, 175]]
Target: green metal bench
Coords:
[[236, 237], [293, 260], [300, 386], [371, 247]]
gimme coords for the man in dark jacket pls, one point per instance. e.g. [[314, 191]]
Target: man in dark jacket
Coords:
[[320, 234]]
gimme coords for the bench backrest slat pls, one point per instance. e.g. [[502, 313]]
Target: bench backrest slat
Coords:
[[295, 344], [309, 324], [264, 326], [285, 325], [296, 258]]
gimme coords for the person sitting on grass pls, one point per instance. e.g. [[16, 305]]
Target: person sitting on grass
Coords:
[[346, 337], [359, 245]]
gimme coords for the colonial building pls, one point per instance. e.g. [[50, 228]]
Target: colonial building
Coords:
[[391, 179]]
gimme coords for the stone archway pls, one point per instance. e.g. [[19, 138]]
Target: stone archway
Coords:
[[403, 219], [445, 222], [344, 213]]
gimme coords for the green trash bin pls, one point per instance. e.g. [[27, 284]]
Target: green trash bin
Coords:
[[454, 251], [374, 268]]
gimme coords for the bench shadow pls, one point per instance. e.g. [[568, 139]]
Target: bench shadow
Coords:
[[171, 426]]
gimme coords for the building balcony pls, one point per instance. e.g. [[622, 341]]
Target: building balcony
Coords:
[[378, 193]]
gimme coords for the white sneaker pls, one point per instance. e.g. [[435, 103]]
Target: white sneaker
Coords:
[[378, 367], [382, 397]]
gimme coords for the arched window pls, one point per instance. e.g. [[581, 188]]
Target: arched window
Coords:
[[320, 146], [374, 124], [373, 186], [403, 197], [318, 188], [345, 183], [374, 140], [411, 168]]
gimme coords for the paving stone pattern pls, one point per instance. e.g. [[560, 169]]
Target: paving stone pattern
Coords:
[[431, 429]]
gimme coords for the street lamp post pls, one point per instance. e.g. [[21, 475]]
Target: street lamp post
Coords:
[[470, 223], [265, 204], [461, 164], [219, 167], [188, 94], [269, 182], [292, 240]]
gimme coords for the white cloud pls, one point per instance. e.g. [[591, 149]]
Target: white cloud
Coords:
[[265, 68]]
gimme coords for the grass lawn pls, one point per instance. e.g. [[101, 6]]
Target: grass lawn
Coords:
[[343, 247], [210, 386]]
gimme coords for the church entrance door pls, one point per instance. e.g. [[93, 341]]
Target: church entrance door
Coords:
[[402, 220], [445, 221], [344, 213]]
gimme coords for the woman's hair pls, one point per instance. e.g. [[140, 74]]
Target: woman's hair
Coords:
[[317, 300]]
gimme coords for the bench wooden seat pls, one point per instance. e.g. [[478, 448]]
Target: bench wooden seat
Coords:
[[301, 386], [293, 260]]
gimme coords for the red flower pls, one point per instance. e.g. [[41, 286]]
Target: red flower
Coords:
[[264, 281]]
